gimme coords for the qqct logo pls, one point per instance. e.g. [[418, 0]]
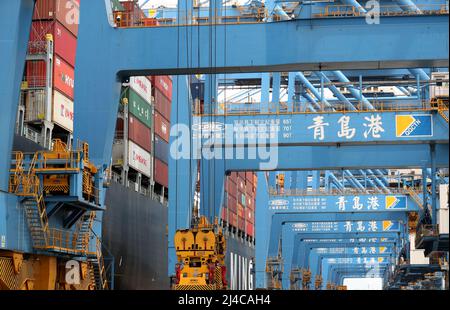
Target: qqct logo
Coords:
[[208, 127], [395, 202], [390, 226], [278, 203], [413, 125]]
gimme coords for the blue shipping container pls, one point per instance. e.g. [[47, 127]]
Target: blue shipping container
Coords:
[[161, 149]]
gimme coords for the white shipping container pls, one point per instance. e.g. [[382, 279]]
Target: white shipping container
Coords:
[[62, 111], [443, 214], [142, 86], [139, 159], [34, 105], [439, 91], [416, 257]]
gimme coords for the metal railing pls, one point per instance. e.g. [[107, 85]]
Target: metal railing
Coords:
[[270, 108], [191, 17], [342, 10], [200, 16], [333, 192], [68, 242]]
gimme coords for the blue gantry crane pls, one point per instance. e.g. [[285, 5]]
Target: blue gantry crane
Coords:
[[333, 152]]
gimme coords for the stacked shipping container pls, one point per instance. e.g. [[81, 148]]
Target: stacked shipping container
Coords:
[[239, 202], [162, 94], [58, 18]]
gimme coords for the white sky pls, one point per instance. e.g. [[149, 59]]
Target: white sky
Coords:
[[373, 284]]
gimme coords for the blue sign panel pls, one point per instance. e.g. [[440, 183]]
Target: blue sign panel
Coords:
[[319, 128], [347, 203], [355, 251], [347, 226], [357, 260]]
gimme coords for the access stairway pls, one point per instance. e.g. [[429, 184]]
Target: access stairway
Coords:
[[97, 269]]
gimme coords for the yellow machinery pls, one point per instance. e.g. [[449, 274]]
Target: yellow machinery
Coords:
[[274, 271], [306, 279], [318, 282], [280, 183], [341, 287], [200, 252]]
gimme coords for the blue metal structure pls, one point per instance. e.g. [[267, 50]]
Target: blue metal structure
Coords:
[[309, 138]]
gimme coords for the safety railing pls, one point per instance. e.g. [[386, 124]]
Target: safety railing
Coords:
[[67, 241], [281, 108], [426, 230], [332, 192], [384, 10], [135, 19], [247, 15]]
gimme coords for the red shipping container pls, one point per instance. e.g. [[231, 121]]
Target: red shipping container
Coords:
[[241, 175], [163, 83], [250, 229], [161, 173], [162, 127], [249, 189], [63, 77], [64, 42], [249, 176], [234, 176], [232, 204], [119, 129], [240, 210], [67, 12], [250, 215], [224, 214], [231, 188], [232, 219], [36, 73], [162, 104], [139, 133], [241, 223]]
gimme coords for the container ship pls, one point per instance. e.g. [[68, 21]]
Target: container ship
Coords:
[[135, 222]]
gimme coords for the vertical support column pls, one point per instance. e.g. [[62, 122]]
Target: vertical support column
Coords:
[[265, 92], [303, 180], [433, 184], [263, 222], [276, 83], [316, 179], [287, 249], [182, 167], [292, 101], [14, 33]]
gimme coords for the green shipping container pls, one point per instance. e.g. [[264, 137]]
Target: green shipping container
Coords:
[[116, 6], [138, 107]]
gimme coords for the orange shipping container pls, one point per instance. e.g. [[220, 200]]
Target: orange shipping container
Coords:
[[162, 104], [233, 219], [162, 127], [63, 77], [241, 223]]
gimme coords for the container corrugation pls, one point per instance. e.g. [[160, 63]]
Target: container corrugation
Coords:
[[232, 203], [163, 83], [251, 203], [64, 42], [139, 107], [250, 229], [234, 176], [119, 133], [241, 183], [162, 126], [240, 210], [241, 223], [250, 188], [161, 149], [139, 159], [63, 77], [241, 198], [232, 216], [139, 133], [62, 111], [67, 12], [249, 176], [35, 75], [162, 104], [241, 175], [231, 188], [35, 105], [249, 215], [161, 173], [142, 86]]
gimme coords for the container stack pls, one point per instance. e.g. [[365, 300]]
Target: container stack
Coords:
[[55, 22], [162, 94], [239, 203]]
